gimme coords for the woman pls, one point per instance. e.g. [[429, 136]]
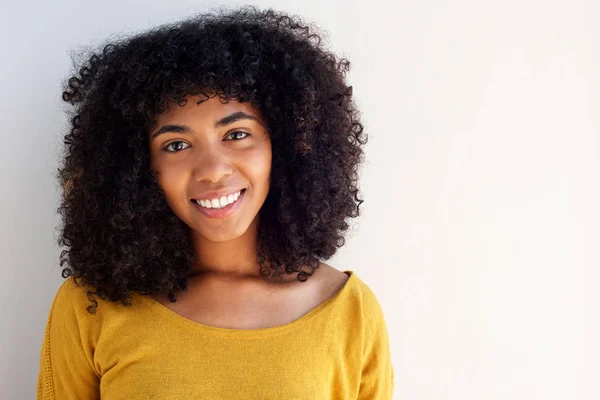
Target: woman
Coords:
[[210, 168]]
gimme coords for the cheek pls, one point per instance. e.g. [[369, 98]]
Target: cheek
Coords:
[[171, 181], [260, 166]]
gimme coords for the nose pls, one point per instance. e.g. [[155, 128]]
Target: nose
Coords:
[[211, 165]]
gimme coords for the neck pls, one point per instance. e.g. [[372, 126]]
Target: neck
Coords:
[[234, 259]]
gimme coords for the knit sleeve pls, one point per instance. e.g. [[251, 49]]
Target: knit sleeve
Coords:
[[66, 357], [377, 374]]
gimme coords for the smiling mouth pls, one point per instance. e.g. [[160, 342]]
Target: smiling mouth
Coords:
[[232, 198], [221, 212]]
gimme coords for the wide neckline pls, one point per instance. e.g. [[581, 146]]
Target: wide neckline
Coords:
[[259, 332]]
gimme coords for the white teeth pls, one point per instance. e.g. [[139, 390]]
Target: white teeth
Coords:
[[223, 201], [220, 203]]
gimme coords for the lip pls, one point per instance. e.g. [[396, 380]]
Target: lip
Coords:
[[222, 212]]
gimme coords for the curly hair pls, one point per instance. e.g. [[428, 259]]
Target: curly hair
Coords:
[[120, 233]]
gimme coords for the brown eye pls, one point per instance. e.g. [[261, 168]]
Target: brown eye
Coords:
[[169, 146], [244, 133]]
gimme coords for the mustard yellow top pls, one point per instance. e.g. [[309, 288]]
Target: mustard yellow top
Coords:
[[338, 350]]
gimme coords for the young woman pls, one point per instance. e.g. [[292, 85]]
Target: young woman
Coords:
[[210, 168]]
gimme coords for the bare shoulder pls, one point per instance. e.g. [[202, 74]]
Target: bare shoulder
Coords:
[[331, 279]]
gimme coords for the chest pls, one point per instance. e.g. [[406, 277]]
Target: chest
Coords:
[[200, 366], [245, 308]]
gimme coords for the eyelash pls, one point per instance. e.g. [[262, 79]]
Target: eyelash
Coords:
[[179, 141]]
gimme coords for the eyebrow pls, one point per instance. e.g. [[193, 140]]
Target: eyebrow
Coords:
[[230, 119]]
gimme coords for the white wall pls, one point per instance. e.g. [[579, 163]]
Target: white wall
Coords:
[[480, 233]]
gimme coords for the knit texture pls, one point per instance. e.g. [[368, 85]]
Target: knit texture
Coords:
[[338, 350]]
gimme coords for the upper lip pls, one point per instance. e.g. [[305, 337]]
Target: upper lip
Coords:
[[216, 194]]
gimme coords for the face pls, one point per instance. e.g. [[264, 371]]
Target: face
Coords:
[[203, 151]]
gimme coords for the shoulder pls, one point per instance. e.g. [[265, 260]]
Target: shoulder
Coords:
[[70, 293], [68, 317], [74, 299], [362, 304], [68, 307], [371, 308], [78, 312], [331, 280]]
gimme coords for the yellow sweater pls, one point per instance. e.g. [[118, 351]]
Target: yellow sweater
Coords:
[[338, 350]]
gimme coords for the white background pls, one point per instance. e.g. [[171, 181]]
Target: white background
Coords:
[[480, 230]]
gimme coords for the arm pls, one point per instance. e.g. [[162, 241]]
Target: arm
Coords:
[[377, 376], [66, 364]]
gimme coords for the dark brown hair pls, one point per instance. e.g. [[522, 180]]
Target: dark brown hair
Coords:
[[120, 233]]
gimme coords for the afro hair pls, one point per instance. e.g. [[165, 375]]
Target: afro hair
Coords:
[[120, 233]]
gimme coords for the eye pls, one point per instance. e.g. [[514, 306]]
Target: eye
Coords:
[[179, 141], [169, 146], [244, 133]]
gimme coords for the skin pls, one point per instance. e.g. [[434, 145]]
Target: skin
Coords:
[[225, 287], [211, 158]]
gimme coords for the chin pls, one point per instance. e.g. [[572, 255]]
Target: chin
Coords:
[[223, 233]]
